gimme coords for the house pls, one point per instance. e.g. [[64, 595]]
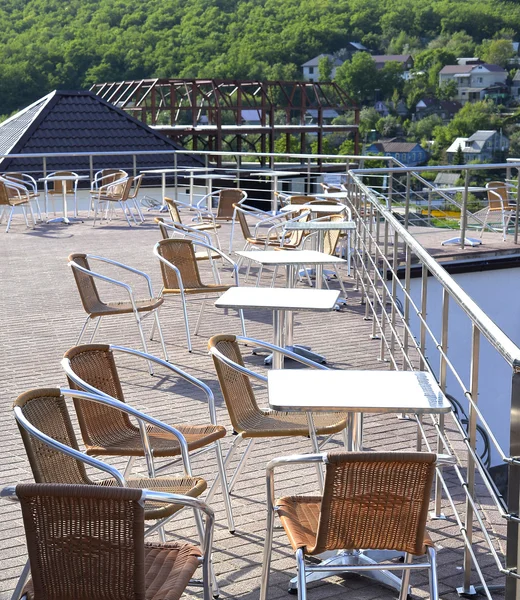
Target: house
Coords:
[[311, 67], [327, 114], [446, 109], [251, 116], [382, 108], [79, 121], [515, 86], [405, 60], [349, 50], [409, 153], [482, 146], [446, 180], [472, 80]]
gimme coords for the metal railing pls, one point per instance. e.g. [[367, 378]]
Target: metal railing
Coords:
[[413, 334]]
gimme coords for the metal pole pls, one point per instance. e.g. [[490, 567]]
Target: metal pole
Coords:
[[463, 217], [407, 200], [394, 292], [424, 302], [407, 278], [517, 212], [384, 315], [472, 434], [513, 489]]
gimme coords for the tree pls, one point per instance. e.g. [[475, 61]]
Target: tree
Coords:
[[496, 52], [325, 67], [448, 90], [368, 118], [388, 126], [391, 79], [359, 77], [458, 158]]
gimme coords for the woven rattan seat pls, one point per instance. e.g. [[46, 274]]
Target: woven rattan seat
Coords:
[[46, 410], [106, 431], [98, 551], [370, 500], [226, 200], [246, 417]]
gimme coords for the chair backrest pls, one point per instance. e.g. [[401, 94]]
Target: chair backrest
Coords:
[[4, 194], [173, 209], [330, 188], [296, 236], [134, 188], [84, 542], [497, 194], [57, 185], [179, 252], [301, 199], [46, 410], [331, 236], [236, 387], [376, 500], [86, 284], [100, 424], [244, 227], [227, 199], [165, 234]]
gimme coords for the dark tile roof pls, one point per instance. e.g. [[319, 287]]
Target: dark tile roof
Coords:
[[81, 122]]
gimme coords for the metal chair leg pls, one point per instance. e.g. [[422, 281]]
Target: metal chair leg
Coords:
[[22, 580], [95, 330], [231, 452], [405, 579], [434, 589], [157, 323], [266, 560], [143, 339], [199, 319], [215, 592], [241, 465], [224, 487], [83, 329], [186, 322], [300, 565]]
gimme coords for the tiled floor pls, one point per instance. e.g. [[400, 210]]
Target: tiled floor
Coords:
[[41, 317]]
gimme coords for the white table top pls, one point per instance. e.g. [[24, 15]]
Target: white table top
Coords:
[[320, 225], [338, 195], [178, 170], [276, 173], [278, 299], [290, 257], [316, 208], [64, 178], [355, 391]]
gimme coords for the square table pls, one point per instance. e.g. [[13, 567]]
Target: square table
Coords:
[[355, 392], [63, 178], [290, 259], [279, 300]]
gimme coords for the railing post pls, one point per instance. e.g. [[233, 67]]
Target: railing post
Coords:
[[407, 278], [513, 489], [463, 216], [91, 167], [517, 212], [384, 292], [468, 589], [394, 292], [424, 303], [407, 200]]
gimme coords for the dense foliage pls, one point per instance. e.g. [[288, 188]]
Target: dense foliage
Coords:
[[70, 44]]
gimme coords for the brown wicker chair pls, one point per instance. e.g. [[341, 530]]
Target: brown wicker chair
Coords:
[[29, 183], [226, 200], [372, 500], [499, 204], [13, 196], [119, 191], [98, 551], [181, 276], [109, 432], [175, 215], [248, 420], [97, 309]]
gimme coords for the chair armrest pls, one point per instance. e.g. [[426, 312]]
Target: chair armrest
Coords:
[[67, 450], [305, 361], [181, 228], [102, 398], [126, 267], [204, 199]]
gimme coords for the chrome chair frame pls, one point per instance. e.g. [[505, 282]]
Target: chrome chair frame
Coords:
[[112, 194], [183, 295], [258, 344], [201, 215], [128, 289], [30, 184], [507, 212], [19, 192], [339, 566], [9, 493], [210, 399], [208, 212], [97, 183]]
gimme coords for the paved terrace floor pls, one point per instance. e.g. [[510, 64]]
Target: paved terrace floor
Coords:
[[41, 317]]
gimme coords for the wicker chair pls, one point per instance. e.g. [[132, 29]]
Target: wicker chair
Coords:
[[13, 196], [373, 500], [97, 309], [29, 183], [118, 192], [55, 188], [104, 178], [171, 230], [109, 432], [98, 552], [226, 200], [499, 197], [175, 215], [181, 277], [248, 420]]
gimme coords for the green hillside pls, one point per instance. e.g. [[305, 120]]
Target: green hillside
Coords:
[[70, 44]]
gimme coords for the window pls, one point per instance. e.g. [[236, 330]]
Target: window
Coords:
[[311, 70], [480, 79], [463, 93]]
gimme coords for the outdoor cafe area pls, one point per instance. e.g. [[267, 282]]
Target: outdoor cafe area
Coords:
[[42, 318]]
